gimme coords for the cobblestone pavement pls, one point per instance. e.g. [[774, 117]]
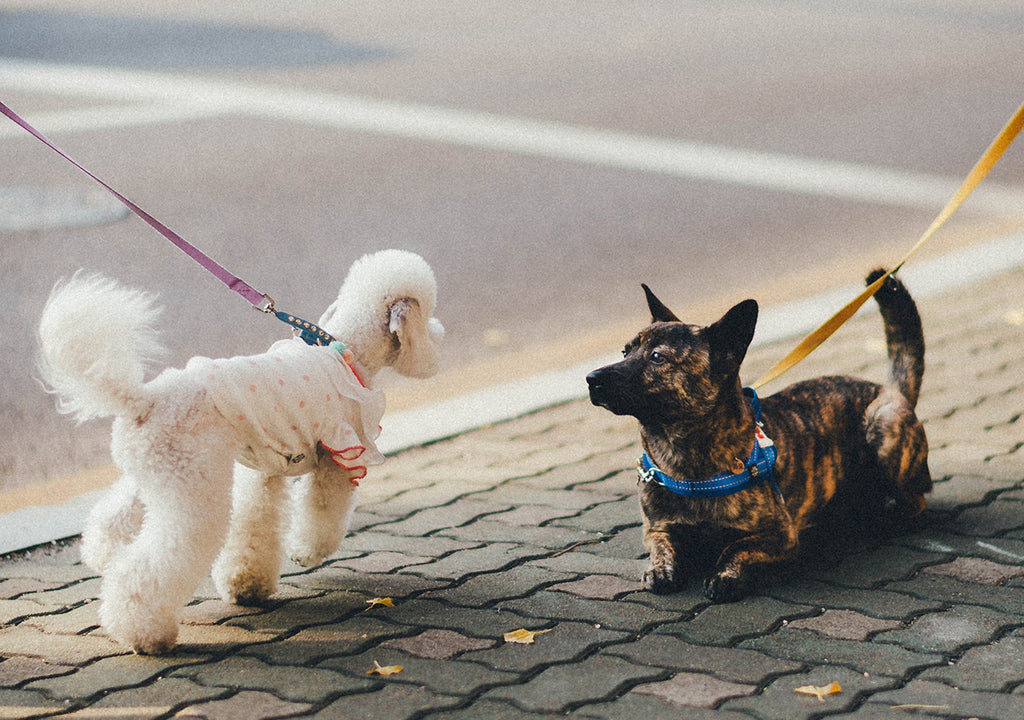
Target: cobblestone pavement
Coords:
[[534, 524]]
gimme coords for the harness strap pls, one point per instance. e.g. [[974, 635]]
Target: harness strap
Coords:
[[757, 469]]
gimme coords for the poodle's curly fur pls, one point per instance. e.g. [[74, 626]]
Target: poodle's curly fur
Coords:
[[195, 480]]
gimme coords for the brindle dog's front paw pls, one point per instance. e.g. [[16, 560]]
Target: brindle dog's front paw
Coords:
[[660, 579], [725, 586]]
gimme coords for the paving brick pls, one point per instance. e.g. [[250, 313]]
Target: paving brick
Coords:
[[957, 490], [432, 520], [1004, 550], [393, 701], [1007, 598], [108, 673], [634, 705], [452, 677], [996, 667], [562, 687], [245, 705], [18, 704], [876, 658], [13, 610], [435, 644], [17, 670], [319, 642], [977, 570], [870, 569], [531, 516], [155, 699], [626, 543], [70, 622], [734, 665], [844, 624], [779, 701], [951, 630], [990, 520], [581, 562], [297, 684], [211, 612], [602, 587], [954, 702], [615, 615], [490, 529], [217, 639], [729, 623], [487, 710], [335, 578], [606, 517], [70, 594], [383, 562], [695, 690], [566, 641], [486, 623], [56, 649], [434, 546], [873, 603], [13, 587], [496, 588], [461, 563]]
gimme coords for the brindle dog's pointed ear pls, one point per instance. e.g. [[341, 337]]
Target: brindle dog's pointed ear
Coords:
[[659, 313], [730, 337]]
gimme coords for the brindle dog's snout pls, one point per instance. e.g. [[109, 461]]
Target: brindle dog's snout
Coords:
[[604, 384], [596, 383]]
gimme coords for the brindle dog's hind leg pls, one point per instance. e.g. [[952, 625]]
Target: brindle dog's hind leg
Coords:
[[898, 439]]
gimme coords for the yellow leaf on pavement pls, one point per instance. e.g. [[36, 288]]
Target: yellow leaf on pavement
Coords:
[[385, 670], [386, 602], [523, 636], [819, 691]]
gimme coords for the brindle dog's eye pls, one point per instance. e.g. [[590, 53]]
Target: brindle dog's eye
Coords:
[[657, 358]]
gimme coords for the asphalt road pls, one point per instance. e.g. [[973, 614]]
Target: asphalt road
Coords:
[[544, 157]]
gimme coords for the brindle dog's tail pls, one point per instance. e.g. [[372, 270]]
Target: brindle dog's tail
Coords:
[[903, 335]]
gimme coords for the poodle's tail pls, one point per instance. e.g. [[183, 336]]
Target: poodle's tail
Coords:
[[96, 340]]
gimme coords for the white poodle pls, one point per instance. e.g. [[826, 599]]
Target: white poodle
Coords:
[[296, 410]]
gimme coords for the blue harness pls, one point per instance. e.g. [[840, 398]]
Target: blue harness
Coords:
[[756, 470]]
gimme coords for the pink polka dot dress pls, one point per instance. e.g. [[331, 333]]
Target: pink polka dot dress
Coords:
[[289, 401]]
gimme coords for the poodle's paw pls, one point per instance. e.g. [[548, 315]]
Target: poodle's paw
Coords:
[[308, 557], [311, 551], [247, 590], [153, 637], [241, 585]]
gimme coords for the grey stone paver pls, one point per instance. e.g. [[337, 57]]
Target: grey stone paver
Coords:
[[534, 524]]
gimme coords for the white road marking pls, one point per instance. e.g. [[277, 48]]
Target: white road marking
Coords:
[[156, 98]]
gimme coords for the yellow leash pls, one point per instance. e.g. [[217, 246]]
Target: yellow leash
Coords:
[[977, 174]]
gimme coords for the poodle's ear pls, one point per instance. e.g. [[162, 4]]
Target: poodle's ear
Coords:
[[659, 313], [417, 337]]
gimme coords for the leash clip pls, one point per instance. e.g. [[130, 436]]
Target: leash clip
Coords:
[[643, 475], [266, 305]]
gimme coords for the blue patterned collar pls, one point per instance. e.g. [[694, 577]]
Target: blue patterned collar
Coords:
[[756, 470]]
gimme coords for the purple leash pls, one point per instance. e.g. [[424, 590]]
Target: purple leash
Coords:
[[260, 301]]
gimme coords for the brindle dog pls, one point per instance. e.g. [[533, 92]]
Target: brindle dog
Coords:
[[840, 441]]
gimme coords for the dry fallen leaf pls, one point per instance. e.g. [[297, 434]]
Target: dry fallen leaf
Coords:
[[819, 691], [386, 602], [523, 636], [384, 670]]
